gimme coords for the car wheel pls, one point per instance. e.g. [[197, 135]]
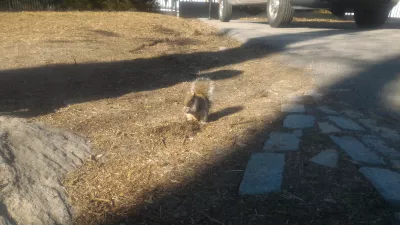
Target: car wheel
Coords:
[[338, 11], [225, 11], [371, 18], [279, 13]]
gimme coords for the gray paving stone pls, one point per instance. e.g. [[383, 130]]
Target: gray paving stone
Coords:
[[388, 133], [357, 151], [383, 131], [380, 146], [280, 141], [263, 174], [327, 158], [293, 108], [395, 164], [327, 128], [369, 123], [299, 121], [345, 123], [386, 182], [298, 133], [327, 110], [352, 114]]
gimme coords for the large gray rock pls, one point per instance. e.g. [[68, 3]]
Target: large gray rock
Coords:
[[5, 221], [33, 160]]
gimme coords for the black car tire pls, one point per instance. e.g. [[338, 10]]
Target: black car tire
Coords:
[[338, 11], [371, 18]]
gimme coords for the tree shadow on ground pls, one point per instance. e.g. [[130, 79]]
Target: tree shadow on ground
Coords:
[[34, 91], [373, 88], [343, 197], [224, 112], [211, 197]]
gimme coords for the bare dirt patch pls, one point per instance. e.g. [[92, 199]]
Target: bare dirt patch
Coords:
[[119, 79]]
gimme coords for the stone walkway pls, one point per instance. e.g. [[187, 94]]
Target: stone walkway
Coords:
[[366, 143]]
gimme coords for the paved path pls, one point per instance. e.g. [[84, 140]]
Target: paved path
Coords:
[[360, 67], [357, 73], [368, 144]]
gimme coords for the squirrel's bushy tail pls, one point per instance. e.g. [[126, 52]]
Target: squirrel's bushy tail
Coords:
[[203, 86]]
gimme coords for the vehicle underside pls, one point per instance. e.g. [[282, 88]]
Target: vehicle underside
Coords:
[[367, 13]]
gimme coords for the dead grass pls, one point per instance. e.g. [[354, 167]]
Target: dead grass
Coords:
[[144, 151], [148, 148], [144, 147], [70, 37]]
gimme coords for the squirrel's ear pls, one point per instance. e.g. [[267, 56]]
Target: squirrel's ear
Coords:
[[192, 93]]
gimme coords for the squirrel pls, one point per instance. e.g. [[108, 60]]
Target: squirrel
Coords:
[[197, 102]]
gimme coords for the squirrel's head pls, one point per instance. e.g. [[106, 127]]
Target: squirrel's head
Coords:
[[190, 103]]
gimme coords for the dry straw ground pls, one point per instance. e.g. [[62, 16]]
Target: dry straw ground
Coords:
[[119, 79]]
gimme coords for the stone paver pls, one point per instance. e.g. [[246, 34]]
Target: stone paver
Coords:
[[327, 158], [280, 141], [298, 133], [327, 128], [357, 151], [388, 133], [293, 108], [327, 110], [299, 121], [395, 164], [386, 182], [383, 131], [263, 174], [352, 114], [379, 145], [345, 123], [369, 123]]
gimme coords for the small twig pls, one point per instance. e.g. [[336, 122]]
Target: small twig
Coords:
[[163, 141], [210, 218], [239, 123], [73, 59], [290, 195], [152, 218], [184, 140], [228, 171], [101, 200]]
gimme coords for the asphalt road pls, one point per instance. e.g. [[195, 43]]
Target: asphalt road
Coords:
[[355, 66]]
